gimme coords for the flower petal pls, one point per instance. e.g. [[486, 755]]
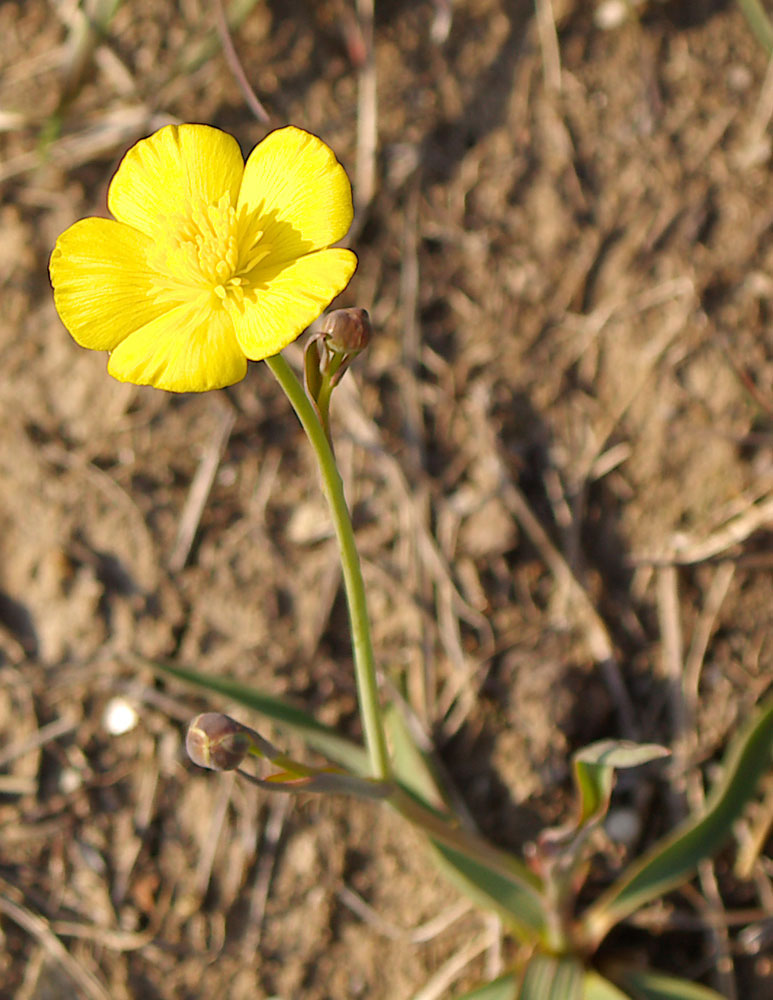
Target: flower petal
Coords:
[[161, 175], [293, 182], [285, 298], [102, 282], [181, 351]]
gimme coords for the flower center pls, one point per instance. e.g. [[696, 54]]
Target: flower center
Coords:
[[205, 253]]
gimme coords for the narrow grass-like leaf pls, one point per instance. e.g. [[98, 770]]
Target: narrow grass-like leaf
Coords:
[[550, 977], [620, 753], [507, 887], [519, 906], [503, 988], [596, 987], [594, 768], [645, 985], [676, 857], [322, 738], [490, 877], [759, 22], [410, 766], [593, 783]]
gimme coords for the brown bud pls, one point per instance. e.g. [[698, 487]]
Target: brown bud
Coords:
[[347, 331], [217, 741]]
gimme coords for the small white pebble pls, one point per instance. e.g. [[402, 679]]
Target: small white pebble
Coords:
[[226, 475], [740, 78], [119, 717], [70, 780], [611, 14], [623, 826]]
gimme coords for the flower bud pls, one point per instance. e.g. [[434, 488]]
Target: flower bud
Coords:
[[217, 741], [347, 331]]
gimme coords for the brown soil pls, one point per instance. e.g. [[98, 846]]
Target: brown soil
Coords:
[[568, 258]]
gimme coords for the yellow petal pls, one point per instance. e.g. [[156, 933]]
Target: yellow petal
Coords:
[[293, 182], [184, 350], [284, 299], [102, 282], [176, 166]]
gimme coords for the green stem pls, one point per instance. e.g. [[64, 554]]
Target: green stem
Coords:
[[362, 647], [759, 22], [323, 404]]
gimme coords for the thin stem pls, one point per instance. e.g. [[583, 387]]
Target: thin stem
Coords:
[[326, 391], [237, 69], [362, 647], [759, 22]]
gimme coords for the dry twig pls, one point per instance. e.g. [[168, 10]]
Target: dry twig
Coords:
[[235, 65], [687, 551], [548, 39], [279, 809], [450, 971], [367, 119], [683, 686], [200, 488], [39, 928], [422, 934]]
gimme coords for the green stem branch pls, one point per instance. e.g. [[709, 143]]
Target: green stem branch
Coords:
[[362, 647]]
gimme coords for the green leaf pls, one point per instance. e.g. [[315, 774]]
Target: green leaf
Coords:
[[492, 878], [411, 767], [759, 22], [503, 988], [593, 784], [595, 987], [645, 985], [620, 753], [675, 858], [515, 895], [518, 904], [594, 767], [549, 977], [322, 738]]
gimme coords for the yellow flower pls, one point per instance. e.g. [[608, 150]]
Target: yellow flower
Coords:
[[208, 261]]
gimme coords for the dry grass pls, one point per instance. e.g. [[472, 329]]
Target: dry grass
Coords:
[[558, 451]]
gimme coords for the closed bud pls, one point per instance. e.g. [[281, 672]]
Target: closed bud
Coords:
[[347, 331], [217, 741]]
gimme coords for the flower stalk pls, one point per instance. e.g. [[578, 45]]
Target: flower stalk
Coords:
[[362, 646]]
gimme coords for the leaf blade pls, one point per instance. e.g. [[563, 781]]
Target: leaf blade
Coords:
[[552, 977], [674, 858], [596, 987], [516, 903], [503, 988], [645, 984]]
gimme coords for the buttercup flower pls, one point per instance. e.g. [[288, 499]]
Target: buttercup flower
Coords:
[[208, 261]]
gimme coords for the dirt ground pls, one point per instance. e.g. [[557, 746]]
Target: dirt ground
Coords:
[[559, 452]]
